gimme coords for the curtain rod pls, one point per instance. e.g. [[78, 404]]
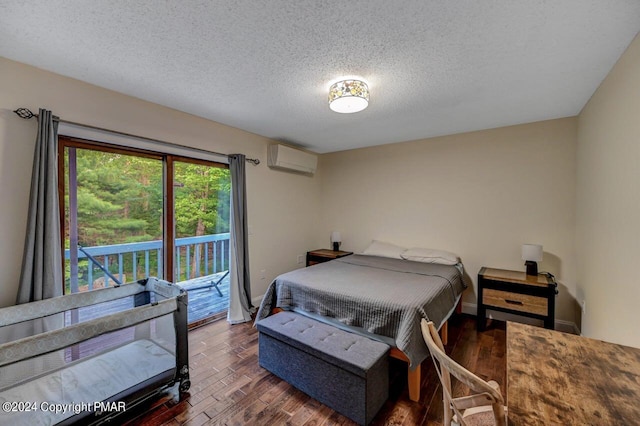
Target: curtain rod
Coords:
[[26, 113]]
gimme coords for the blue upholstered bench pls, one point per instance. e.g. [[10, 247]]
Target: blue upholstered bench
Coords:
[[344, 371]]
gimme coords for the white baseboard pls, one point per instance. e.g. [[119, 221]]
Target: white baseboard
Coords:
[[255, 301], [560, 325]]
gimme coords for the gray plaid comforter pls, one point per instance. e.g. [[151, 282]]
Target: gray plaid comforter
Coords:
[[383, 296]]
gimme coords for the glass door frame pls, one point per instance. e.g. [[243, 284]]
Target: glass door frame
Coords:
[[168, 161], [169, 215]]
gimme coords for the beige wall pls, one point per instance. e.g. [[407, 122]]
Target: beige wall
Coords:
[[480, 195], [283, 207], [608, 204]]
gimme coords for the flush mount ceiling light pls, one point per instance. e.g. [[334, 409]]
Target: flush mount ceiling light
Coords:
[[348, 96]]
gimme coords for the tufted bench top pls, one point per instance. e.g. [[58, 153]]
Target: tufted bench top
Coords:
[[349, 351]]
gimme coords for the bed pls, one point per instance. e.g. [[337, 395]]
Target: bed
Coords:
[[383, 298], [90, 356]]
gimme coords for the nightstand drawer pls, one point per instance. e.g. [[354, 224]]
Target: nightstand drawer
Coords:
[[515, 301]]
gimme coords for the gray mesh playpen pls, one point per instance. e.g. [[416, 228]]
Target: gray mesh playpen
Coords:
[[89, 356]]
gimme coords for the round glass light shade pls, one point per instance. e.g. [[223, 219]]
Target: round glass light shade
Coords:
[[348, 96]]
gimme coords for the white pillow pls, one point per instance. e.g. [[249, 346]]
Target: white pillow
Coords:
[[380, 248], [424, 255]]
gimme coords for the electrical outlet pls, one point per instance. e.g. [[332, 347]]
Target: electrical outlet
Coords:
[[300, 259], [584, 306], [263, 274]]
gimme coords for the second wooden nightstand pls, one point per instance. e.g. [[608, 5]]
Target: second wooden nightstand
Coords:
[[515, 292], [324, 255]]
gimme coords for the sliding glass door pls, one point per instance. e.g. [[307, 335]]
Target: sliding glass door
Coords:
[[201, 244], [131, 214], [113, 209]]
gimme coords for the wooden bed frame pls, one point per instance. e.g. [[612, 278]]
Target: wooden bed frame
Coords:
[[414, 376]]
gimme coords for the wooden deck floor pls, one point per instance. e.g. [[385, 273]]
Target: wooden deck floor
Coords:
[[206, 302], [203, 302], [230, 388]]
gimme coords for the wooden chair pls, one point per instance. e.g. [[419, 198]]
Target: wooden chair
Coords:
[[485, 407]]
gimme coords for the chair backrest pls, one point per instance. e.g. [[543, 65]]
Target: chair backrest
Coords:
[[486, 393]]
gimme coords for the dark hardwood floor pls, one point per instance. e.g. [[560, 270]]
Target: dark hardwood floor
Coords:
[[230, 388]]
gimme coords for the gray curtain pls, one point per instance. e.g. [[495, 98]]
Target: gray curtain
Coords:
[[240, 306], [41, 275]]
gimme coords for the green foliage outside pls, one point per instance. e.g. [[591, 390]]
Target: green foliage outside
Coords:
[[120, 200]]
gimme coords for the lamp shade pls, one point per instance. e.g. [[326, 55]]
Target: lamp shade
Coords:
[[532, 252], [336, 237], [348, 96]]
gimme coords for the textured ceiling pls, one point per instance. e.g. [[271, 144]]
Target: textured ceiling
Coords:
[[433, 67]]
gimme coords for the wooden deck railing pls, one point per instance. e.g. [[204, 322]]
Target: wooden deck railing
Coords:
[[211, 254]]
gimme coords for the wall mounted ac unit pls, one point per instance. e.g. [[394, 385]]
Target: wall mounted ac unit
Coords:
[[283, 157]]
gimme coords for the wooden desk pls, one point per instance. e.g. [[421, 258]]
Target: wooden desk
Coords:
[[555, 378]]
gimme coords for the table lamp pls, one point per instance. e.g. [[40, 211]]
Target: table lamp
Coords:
[[531, 254], [336, 239]]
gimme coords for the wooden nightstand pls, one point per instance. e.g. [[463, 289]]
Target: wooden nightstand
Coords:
[[516, 292], [324, 255]]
